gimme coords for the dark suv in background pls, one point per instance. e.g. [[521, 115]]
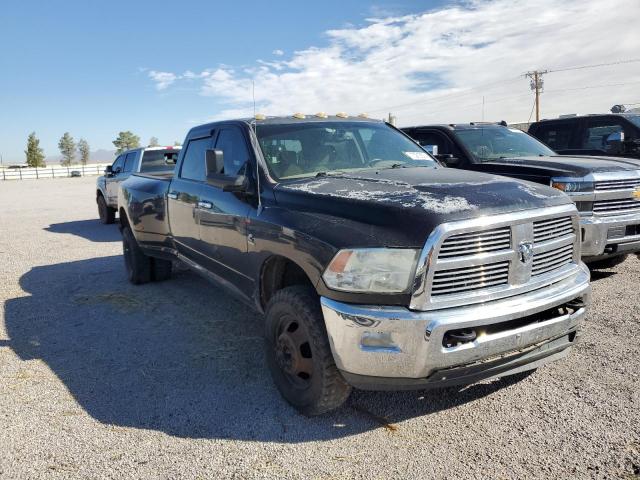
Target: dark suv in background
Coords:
[[608, 134]]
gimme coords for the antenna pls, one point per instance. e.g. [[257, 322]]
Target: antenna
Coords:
[[256, 147]]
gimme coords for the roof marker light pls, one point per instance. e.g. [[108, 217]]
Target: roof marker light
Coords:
[[322, 115], [299, 116], [260, 116], [363, 115], [342, 115]]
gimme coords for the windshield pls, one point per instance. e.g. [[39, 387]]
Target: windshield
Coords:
[[321, 148], [635, 119], [154, 161], [491, 143]]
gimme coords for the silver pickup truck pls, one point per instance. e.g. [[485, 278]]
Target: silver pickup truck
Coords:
[[150, 160]]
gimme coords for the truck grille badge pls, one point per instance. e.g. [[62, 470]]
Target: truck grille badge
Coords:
[[525, 250]]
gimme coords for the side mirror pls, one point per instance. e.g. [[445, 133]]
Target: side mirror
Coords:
[[108, 171], [613, 143], [214, 160], [448, 159]]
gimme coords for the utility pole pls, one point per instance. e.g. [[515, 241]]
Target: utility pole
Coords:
[[392, 119], [537, 85]]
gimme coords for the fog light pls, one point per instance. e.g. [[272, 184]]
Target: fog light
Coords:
[[378, 341]]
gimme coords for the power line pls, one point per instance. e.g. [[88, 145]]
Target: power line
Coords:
[[596, 65]]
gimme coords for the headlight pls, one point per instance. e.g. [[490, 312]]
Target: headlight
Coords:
[[375, 270], [571, 187]]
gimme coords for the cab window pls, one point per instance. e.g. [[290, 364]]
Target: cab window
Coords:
[[193, 164], [117, 165], [556, 136], [234, 150], [129, 160]]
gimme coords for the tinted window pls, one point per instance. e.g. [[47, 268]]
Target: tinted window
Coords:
[[129, 160], [491, 143], [159, 160], [635, 119], [193, 165], [598, 132], [556, 136], [432, 142], [305, 149], [117, 165], [234, 149]]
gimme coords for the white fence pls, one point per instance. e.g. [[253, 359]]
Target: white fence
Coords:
[[52, 172]]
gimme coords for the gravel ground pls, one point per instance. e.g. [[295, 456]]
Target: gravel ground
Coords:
[[101, 379]]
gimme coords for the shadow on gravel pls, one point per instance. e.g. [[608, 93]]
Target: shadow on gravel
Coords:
[[601, 274], [90, 229], [180, 357]]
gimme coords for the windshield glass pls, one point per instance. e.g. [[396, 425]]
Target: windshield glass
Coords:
[[491, 143], [316, 148], [635, 119], [154, 161]]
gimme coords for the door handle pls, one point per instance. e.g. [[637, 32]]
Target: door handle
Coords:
[[207, 205], [173, 195]]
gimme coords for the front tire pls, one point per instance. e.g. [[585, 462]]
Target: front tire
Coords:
[[137, 264], [298, 352], [107, 214]]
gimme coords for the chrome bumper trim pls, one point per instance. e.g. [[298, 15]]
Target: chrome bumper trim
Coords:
[[382, 341], [596, 229]]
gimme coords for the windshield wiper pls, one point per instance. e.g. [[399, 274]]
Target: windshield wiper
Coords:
[[328, 173]]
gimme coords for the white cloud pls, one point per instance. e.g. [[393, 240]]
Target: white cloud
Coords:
[[437, 66], [163, 80], [278, 52]]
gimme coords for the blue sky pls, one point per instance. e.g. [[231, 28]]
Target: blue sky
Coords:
[[76, 65], [159, 68]]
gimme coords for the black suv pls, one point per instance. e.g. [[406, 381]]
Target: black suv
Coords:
[[608, 134]]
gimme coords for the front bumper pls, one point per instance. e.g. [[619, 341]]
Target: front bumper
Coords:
[[393, 347], [605, 236]]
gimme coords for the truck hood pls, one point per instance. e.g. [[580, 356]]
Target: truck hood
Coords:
[[570, 165], [412, 200]]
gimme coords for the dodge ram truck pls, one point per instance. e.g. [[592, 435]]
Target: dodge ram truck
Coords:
[[145, 160], [374, 266], [605, 190]]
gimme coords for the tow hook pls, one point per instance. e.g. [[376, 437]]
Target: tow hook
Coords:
[[457, 337]]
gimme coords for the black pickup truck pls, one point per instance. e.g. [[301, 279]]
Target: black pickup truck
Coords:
[[606, 190], [375, 266]]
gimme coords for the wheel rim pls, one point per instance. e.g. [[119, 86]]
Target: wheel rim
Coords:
[[293, 352]]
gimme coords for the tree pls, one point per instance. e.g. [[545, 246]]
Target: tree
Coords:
[[67, 148], [153, 142], [34, 153], [177, 144], [84, 151], [125, 141]]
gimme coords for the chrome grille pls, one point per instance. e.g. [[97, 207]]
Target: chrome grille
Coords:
[[552, 228], [464, 279], [617, 206], [498, 256], [626, 184], [476, 242], [551, 260]]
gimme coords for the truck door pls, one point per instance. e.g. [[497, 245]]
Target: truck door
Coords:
[[223, 215], [114, 182], [111, 180], [184, 195]]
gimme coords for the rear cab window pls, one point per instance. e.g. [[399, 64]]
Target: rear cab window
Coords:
[[155, 161]]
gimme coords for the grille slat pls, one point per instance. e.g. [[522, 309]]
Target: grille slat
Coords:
[[628, 184], [473, 243], [468, 279], [551, 229], [552, 260], [610, 207]]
